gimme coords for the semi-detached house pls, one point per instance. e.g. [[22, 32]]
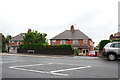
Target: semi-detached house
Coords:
[[16, 41], [76, 38]]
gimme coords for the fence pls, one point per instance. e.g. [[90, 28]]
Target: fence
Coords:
[[54, 51]]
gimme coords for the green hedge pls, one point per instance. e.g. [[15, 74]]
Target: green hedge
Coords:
[[104, 42], [39, 46]]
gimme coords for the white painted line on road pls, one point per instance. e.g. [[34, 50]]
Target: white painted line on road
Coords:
[[28, 70], [70, 69], [50, 72], [26, 65], [59, 74]]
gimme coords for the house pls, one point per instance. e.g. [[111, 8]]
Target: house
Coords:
[[115, 36], [76, 38], [16, 41]]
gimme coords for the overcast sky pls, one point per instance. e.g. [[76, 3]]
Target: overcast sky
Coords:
[[98, 19]]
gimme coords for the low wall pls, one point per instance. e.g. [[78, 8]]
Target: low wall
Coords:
[[58, 51]]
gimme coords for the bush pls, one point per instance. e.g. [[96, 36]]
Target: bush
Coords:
[[115, 40], [103, 43], [39, 46], [31, 46], [81, 54], [76, 51]]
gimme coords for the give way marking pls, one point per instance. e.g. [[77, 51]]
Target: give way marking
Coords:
[[55, 72]]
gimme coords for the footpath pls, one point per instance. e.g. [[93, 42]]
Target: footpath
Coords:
[[51, 56]]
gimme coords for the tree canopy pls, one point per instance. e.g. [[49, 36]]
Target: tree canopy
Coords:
[[35, 37]]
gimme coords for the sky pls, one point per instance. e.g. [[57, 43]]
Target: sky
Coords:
[[98, 19]]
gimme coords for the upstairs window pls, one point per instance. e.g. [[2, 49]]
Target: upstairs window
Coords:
[[85, 41], [62, 41], [53, 41], [12, 42], [75, 41], [18, 43]]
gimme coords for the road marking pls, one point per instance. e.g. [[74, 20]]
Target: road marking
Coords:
[[30, 70], [26, 65], [50, 72], [70, 69]]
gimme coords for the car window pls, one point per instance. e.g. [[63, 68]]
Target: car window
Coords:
[[115, 45]]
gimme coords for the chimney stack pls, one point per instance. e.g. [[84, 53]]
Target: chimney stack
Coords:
[[72, 28], [29, 30]]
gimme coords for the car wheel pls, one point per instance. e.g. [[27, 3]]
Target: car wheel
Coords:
[[111, 57]]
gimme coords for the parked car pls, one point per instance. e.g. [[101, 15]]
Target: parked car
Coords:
[[92, 53], [112, 50]]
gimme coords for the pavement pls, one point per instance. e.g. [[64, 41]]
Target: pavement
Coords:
[[52, 56]]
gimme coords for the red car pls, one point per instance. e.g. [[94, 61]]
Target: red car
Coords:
[[92, 53]]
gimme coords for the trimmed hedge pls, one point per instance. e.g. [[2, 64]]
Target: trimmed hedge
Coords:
[[47, 49], [39, 46], [50, 51]]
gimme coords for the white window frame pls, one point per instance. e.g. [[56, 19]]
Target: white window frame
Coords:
[[13, 42], [75, 41], [53, 42], [85, 51], [18, 42], [62, 41], [85, 41]]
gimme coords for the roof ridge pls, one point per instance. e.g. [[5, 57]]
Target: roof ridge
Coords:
[[67, 34]]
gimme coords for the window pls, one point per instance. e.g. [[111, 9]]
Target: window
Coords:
[[53, 41], [84, 51], [62, 41], [116, 45], [12, 42], [75, 41], [18, 43], [85, 41]]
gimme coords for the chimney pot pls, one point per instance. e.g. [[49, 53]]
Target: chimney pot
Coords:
[[72, 28], [29, 30]]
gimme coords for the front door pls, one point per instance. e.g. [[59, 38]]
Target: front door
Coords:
[[84, 51]]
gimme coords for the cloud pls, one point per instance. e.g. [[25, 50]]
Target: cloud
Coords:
[[96, 18]]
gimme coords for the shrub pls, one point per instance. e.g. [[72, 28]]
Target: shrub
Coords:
[[115, 40], [31, 46], [39, 46], [103, 43], [76, 51]]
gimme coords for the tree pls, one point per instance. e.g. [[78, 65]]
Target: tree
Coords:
[[34, 37], [103, 43], [3, 43], [8, 37]]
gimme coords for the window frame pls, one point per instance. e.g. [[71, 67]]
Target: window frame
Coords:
[[62, 42], [85, 41], [53, 42], [75, 42], [13, 42]]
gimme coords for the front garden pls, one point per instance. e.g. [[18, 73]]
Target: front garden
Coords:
[[37, 44]]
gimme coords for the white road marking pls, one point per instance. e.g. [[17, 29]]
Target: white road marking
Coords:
[[26, 65], [70, 69], [50, 72], [30, 70]]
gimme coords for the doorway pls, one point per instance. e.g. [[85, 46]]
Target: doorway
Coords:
[[85, 51]]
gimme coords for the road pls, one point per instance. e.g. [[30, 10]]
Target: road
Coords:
[[57, 67]]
